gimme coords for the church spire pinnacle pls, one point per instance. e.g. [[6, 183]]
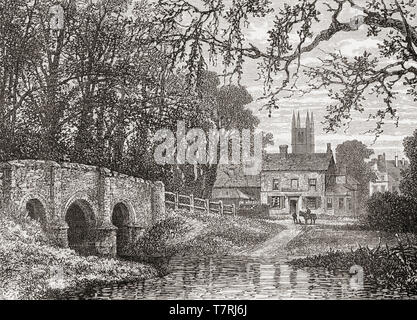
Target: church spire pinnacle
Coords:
[[293, 124]]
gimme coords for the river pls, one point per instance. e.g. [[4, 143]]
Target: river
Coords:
[[243, 277]]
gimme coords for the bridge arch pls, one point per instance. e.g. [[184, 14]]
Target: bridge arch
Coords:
[[122, 217], [35, 207], [81, 220]]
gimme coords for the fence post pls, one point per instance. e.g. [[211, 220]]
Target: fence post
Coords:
[[221, 207], [233, 209], [191, 203], [177, 200], [207, 201]]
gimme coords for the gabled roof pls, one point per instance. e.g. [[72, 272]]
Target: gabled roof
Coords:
[[388, 166], [233, 176], [340, 189], [297, 162], [351, 181], [229, 193]]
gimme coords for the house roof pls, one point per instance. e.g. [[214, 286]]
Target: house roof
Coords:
[[351, 181], [297, 162], [229, 193], [388, 166], [339, 189], [233, 176]]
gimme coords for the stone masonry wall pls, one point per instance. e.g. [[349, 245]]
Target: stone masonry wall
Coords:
[[57, 186]]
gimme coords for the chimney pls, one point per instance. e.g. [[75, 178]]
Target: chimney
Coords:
[[283, 149], [329, 148], [403, 161], [396, 160]]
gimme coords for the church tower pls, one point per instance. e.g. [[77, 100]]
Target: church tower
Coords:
[[302, 138]]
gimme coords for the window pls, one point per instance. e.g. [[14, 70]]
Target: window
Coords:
[[275, 202], [311, 203], [312, 184], [374, 189], [329, 203], [275, 184], [294, 184], [349, 203], [341, 203], [382, 188]]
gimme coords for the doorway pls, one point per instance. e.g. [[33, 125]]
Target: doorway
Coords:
[[293, 206]]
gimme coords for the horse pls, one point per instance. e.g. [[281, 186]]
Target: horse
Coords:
[[308, 216]]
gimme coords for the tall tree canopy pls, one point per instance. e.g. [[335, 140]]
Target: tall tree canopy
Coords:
[[219, 25], [95, 85], [350, 156], [409, 176]]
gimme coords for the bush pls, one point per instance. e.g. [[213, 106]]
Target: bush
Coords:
[[31, 268], [258, 210], [159, 240], [389, 267], [391, 212]]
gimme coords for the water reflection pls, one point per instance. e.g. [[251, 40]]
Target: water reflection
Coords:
[[241, 278]]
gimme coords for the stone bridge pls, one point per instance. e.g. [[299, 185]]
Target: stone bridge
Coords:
[[90, 209]]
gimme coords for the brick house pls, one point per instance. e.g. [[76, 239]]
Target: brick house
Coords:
[[291, 182]]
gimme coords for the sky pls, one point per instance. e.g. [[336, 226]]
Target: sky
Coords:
[[350, 44]]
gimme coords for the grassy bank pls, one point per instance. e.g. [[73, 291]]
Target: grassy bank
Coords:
[[199, 233], [388, 260], [336, 235], [30, 268], [393, 268]]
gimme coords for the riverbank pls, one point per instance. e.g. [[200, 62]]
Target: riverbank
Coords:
[[186, 233], [31, 268], [388, 261], [336, 235]]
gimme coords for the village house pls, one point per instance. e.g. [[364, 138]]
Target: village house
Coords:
[[388, 174], [233, 186], [303, 179], [290, 182]]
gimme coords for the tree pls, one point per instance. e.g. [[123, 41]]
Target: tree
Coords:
[[220, 107], [350, 156], [219, 26], [408, 184]]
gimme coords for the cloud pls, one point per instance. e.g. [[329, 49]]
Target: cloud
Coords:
[[353, 47]]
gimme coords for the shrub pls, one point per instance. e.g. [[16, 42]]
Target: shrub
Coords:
[[391, 212], [30, 268], [158, 240], [388, 267], [259, 210]]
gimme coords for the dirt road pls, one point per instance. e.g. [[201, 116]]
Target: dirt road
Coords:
[[276, 245]]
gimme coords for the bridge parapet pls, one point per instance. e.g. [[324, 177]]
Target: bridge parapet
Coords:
[[83, 206]]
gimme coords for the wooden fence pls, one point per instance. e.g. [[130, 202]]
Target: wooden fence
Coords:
[[178, 201]]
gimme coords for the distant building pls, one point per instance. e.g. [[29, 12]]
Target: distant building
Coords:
[[232, 186], [302, 138], [388, 174]]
